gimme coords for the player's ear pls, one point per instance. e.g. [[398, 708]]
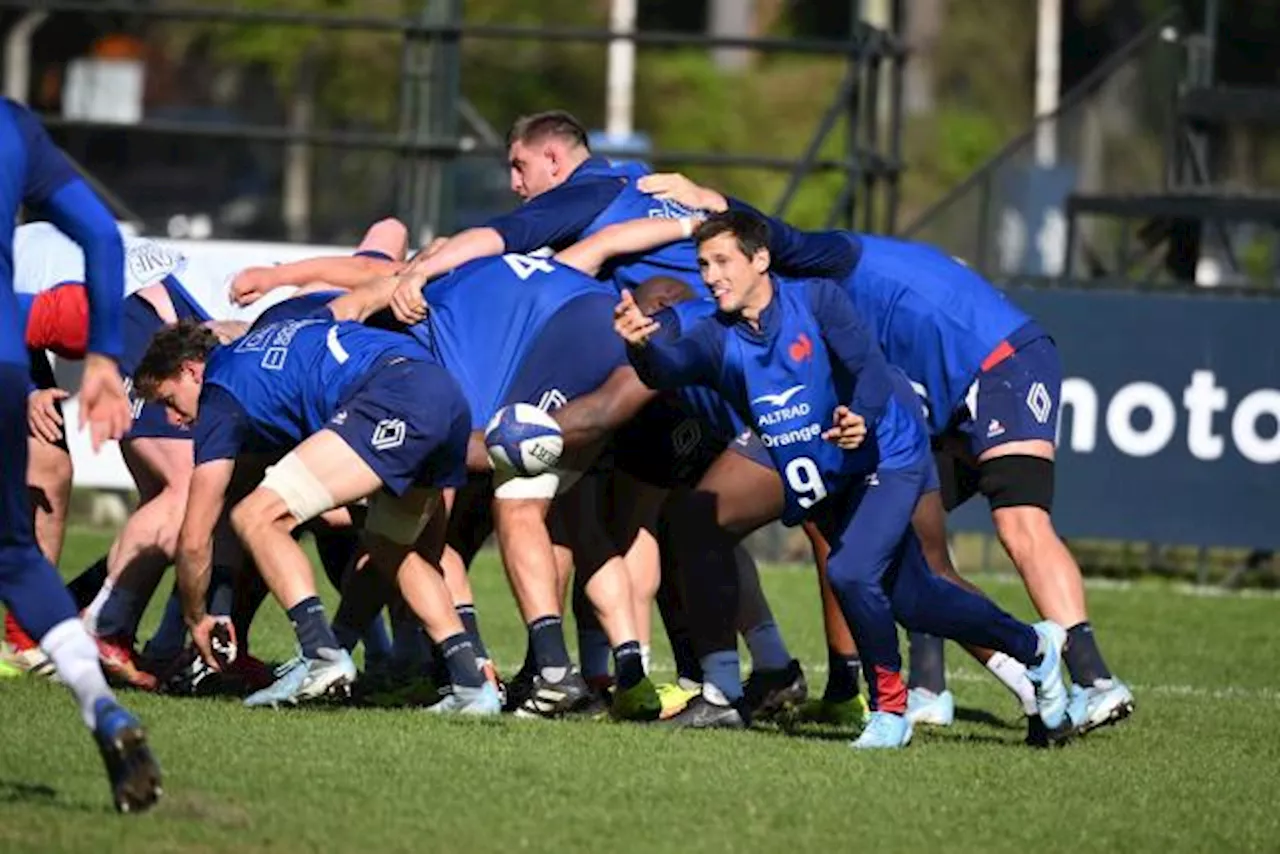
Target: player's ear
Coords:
[[761, 260]]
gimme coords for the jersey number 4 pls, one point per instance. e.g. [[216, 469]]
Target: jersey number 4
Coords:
[[805, 481], [525, 266]]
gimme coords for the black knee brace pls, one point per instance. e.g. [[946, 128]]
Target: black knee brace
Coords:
[[1017, 481]]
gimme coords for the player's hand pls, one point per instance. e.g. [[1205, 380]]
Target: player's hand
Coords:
[[635, 327], [434, 246], [848, 429], [407, 303], [215, 640], [674, 187], [104, 406], [42, 414], [251, 284]]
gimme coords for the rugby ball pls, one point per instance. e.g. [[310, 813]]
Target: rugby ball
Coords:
[[523, 440]]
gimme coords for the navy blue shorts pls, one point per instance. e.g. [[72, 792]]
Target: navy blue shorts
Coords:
[[748, 444], [409, 421], [666, 446], [574, 354], [1014, 399], [140, 323]]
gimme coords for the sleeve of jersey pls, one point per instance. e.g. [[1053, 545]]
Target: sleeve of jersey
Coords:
[[806, 253], [693, 359], [59, 321], [54, 189], [557, 217], [852, 345], [221, 428]]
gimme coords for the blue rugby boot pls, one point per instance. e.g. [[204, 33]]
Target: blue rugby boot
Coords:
[[132, 770], [884, 731]]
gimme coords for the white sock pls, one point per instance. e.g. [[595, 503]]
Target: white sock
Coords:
[[76, 656], [91, 613], [645, 657], [1013, 675]]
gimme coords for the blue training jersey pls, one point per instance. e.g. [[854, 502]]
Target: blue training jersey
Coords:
[[561, 215], [935, 318], [288, 375], [484, 316], [34, 173], [702, 402], [677, 260], [810, 355]]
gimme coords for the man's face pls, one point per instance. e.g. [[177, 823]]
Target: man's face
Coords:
[[535, 168], [733, 277], [180, 394]]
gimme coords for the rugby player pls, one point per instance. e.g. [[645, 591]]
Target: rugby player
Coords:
[[39, 177], [784, 351], [991, 377], [348, 400], [161, 286]]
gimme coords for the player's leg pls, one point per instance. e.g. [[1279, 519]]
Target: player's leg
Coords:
[[1016, 471], [606, 584], [841, 703], [321, 473], [923, 601], [144, 548], [703, 527], [49, 473], [29, 586], [632, 517], [776, 684], [406, 537]]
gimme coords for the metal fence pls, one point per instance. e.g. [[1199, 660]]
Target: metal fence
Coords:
[[420, 156], [1110, 133]]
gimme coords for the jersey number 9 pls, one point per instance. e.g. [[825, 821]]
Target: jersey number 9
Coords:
[[805, 481]]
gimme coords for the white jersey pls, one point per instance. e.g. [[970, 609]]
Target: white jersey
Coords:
[[44, 258]]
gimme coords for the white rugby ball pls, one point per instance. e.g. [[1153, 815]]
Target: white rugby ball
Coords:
[[524, 440]]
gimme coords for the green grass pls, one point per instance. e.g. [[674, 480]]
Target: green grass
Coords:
[[1196, 769]]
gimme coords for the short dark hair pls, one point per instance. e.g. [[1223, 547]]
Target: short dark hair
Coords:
[[536, 126], [751, 230], [189, 341]]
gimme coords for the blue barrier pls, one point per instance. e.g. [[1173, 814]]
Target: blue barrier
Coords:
[[1170, 423]]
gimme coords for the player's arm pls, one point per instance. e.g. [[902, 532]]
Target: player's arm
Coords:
[[589, 418], [554, 219], [692, 359], [853, 346], [339, 271], [624, 238], [831, 254], [194, 560], [53, 188], [796, 252]]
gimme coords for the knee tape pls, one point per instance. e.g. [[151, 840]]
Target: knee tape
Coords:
[[508, 485], [302, 492], [1017, 481], [401, 520]]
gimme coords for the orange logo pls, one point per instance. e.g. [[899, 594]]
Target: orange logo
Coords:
[[801, 349]]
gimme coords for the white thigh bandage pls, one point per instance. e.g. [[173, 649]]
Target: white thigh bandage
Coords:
[[302, 492], [549, 484], [402, 519]]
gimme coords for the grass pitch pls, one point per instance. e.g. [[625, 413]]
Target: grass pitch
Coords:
[[1197, 768]]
